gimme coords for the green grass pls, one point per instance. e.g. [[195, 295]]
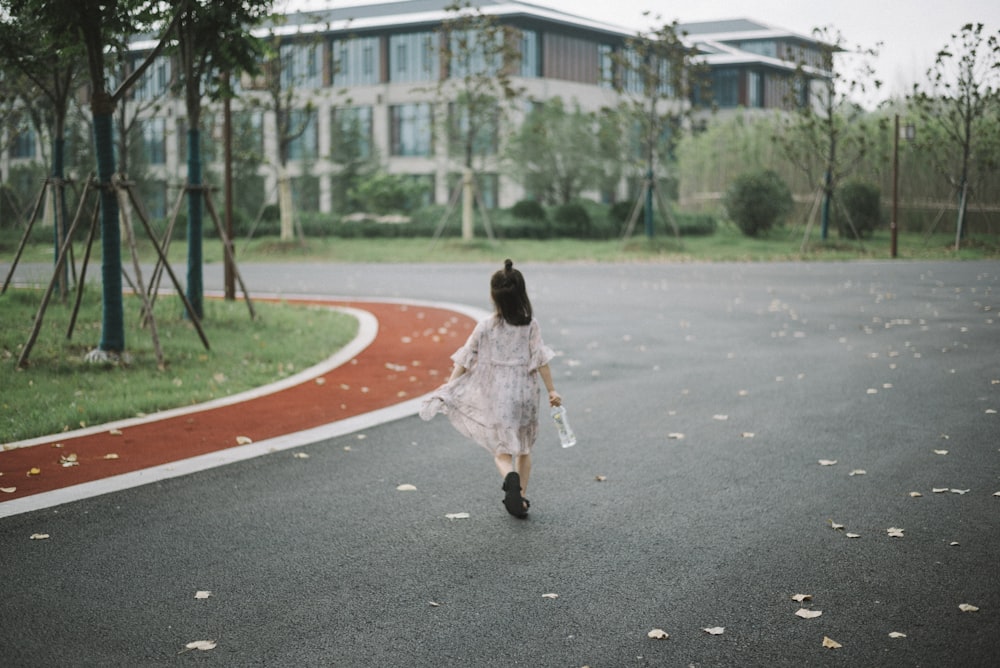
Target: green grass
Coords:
[[59, 391], [728, 244]]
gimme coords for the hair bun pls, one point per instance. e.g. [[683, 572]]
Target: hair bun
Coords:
[[508, 264]]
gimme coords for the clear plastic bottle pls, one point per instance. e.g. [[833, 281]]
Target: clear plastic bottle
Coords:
[[566, 435]]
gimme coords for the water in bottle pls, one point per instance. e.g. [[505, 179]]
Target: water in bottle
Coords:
[[566, 435]]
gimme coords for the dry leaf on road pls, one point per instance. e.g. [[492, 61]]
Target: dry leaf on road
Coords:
[[457, 516], [827, 462], [800, 598], [806, 613], [967, 607], [202, 645], [829, 643], [243, 440], [715, 630], [658, 634], [897, 634], [406, 488]]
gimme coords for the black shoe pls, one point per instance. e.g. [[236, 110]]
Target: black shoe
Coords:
[[515, 504]]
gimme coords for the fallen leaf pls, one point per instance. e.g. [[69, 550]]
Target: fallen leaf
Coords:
[[69, 460], [897, 634], [406, 488], [110, 455], [675, 436], [806, 613], [202, 594], [916, 495], [996, 493], [457, 516], [940, 452], [939, 490], [830, 643], [34, 471], [747, 434], [720, 417], [434, 604], [658, 634], [115, 432], [321, 381], [38, 536], [827, 462], [600, 478], [853, 535], [960, 491], [857, 472], [715, 630], [967, 607], [835, 526], [550, 595], [243, 440], [991, 411], [802, 597], [202, 645], [8, 490], [895, 532], [953, 543]]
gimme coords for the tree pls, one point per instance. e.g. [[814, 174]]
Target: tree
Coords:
[[213, 42], [481, 55], [52, 78], [554, 153], [828, 131], [658, 73], [962, 102], [92, 28]]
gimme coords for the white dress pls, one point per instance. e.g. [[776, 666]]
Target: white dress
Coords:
[[495, 402]]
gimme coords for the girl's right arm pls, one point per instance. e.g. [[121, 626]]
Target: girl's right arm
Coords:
[[546, 373]]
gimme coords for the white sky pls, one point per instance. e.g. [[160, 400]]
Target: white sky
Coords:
[[912, 31]]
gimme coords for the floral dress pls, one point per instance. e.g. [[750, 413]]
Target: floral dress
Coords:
[[495, 402]]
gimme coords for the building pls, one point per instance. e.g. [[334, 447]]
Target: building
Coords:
[[365, 80]]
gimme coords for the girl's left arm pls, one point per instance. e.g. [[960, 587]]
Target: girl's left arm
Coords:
[[546, 373]]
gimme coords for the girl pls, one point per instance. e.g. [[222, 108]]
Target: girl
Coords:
[[492, 395]]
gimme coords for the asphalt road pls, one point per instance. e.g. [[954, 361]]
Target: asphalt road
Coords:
[[704, 396]]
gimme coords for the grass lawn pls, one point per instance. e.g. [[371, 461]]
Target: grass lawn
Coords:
[[59, 391]]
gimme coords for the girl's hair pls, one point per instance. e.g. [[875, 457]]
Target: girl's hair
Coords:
[[510, 295]]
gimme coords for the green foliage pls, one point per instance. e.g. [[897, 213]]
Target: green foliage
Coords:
[[757, 201], [529, 209], [384, 193], [859, 204], [571, 220]]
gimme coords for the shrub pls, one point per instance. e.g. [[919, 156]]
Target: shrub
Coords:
[[757, 201], [862, 203], [528, 209], [571, 220], [695, 224]]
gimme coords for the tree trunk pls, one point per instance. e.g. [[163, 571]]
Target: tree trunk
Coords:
[[195, 288], [468, 197], [112, 316], [285, 204]]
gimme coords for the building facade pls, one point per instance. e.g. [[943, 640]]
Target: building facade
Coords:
[[366, 87]]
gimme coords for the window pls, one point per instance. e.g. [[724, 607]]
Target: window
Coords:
[[471, 53], [154, 140], [726, 87], [486, 133], [755, 90], [529, 54], [606, 61], [411, 130], [154, 81], [24, 144], [351, 135], [355, 62], [305, 145], [414, 57], [765, 47], [300, 66]]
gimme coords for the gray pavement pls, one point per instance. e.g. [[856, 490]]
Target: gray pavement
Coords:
[[322, 562]]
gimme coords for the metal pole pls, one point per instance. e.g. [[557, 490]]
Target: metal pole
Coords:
[[893, 225]]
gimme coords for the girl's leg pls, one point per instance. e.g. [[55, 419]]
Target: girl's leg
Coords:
[[505, 464], [524, 470]]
